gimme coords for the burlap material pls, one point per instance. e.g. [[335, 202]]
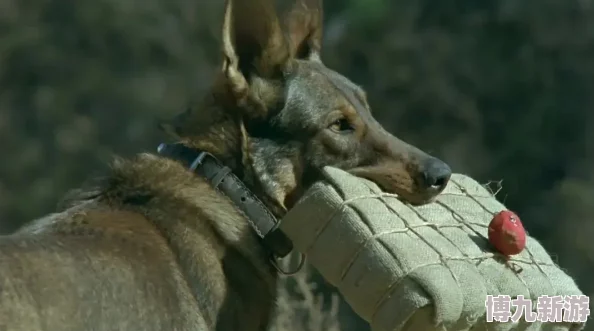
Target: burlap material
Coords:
[[418, 268]]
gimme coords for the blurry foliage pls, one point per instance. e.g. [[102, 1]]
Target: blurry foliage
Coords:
[[301, 306], [500, 89]]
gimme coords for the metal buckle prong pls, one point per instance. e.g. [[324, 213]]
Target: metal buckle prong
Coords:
[[197, 161]]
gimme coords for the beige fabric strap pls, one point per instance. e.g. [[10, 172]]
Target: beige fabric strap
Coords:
[[417, 268]]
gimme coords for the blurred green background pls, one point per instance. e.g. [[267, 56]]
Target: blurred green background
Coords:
[[500, 89]]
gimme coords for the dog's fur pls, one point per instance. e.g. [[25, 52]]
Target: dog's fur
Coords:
[[153, 247]]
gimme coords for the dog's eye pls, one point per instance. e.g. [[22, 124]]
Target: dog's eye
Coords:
[[341, 125]]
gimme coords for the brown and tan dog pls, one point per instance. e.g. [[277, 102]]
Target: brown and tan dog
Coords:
[[174, 241]]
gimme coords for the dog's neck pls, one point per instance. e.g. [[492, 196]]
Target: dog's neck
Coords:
[[205, 165], [208, 234], [222, 134]]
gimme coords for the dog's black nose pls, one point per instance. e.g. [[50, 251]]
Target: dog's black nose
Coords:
[[435, 174]]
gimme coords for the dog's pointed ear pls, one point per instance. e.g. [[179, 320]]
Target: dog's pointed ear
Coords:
[[253, 43], [304, 26]]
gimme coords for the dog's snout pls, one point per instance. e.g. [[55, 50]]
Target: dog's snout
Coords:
[[436, 174]]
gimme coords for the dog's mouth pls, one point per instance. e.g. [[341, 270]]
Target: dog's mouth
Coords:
[[398, 182]]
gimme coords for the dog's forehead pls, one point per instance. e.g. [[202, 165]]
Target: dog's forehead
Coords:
[[352, 93], [315, 90]]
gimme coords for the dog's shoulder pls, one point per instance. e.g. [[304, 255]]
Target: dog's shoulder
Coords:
[[91, 219], [111, 208]]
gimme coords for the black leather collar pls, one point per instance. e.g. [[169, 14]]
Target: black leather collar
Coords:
[[223, 180]]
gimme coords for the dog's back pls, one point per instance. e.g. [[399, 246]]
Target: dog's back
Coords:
[[92, 268]]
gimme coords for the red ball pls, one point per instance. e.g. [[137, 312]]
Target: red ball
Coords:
[[507, 233]]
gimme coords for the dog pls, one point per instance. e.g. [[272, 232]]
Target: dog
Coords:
[[185, 238]]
